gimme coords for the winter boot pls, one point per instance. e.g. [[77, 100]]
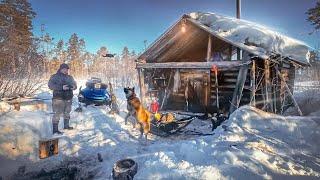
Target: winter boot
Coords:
[[66, 125], [55, 129]]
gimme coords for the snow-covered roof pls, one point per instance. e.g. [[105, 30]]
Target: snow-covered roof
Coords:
[[252, 37]]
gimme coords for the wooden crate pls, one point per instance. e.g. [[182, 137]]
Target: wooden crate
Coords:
[[48, 147]]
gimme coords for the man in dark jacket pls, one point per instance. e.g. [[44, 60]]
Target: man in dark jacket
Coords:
[[62, 85]]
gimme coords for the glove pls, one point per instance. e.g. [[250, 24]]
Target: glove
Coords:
[[65, 87]]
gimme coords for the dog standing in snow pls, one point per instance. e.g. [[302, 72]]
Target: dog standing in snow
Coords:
[[135, 108]]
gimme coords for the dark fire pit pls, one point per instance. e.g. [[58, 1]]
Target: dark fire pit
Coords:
[[124, 169]]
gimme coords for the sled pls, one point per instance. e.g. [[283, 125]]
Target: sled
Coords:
[[167, 129]]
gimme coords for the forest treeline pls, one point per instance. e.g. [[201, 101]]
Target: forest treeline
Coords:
[[27, 60]]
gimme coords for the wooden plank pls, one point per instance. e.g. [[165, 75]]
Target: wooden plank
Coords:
[[268, 89], [230, 53], [242, 76], [231, 87], [253, 84], [209, 48], [216, 85], [167, 91], [289, 91], [233, 74], [207, 88], [142, 85], [222, 65]]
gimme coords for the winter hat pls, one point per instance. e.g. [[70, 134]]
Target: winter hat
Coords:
[[64, 66]]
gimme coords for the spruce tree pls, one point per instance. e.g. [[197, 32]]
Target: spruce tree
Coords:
[[314, 16], [16, 31]]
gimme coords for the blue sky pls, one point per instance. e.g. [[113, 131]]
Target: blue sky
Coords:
[[119, 23]]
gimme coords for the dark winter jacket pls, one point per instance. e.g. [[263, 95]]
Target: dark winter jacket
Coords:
[[56, 83]]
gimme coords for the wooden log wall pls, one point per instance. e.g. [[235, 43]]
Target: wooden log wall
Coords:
[[262, 86]]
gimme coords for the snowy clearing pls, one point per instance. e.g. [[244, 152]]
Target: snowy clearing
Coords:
[[252, 144]]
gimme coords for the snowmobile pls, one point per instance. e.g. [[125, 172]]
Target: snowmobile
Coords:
[[96, 93]]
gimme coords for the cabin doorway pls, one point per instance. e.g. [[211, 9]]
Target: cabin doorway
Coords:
[[192, 93]]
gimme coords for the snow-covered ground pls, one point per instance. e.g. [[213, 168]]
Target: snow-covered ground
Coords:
[[252, 144]]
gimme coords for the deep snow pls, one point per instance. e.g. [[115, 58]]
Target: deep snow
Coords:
[[252, 144]]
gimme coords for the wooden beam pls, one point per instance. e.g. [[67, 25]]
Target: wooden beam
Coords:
[[276, 91], [253, 84], [288, 90], [167, 91], [242, 76], [268, 91], [230, 53], [191, 65], [209, 48], [142, 85], [238, 54], [216, 85], [207, 87]]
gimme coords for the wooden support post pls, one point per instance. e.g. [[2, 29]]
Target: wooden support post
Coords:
[[238, 54], [289, 91], [167, 93], [209, 49], [207, 88], [277, 92], [216, 86], [142, 85], [242, 76], [230, 53], [253, 84], [268, 101]]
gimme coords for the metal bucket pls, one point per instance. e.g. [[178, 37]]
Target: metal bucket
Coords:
[[124, 169]]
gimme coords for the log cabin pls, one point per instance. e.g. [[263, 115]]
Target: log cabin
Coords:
[[207, 62]]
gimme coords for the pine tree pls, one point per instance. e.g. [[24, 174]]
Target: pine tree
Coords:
[[16, 31], [125, 52], [314, 16], [73, 53], [59, 50]]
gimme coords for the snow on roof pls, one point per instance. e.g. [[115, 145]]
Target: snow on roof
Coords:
[[253, 37]]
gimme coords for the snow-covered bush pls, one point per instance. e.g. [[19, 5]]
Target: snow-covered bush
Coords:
[[20, 86]]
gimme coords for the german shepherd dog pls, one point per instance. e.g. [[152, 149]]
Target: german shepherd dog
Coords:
[[135, 108]]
